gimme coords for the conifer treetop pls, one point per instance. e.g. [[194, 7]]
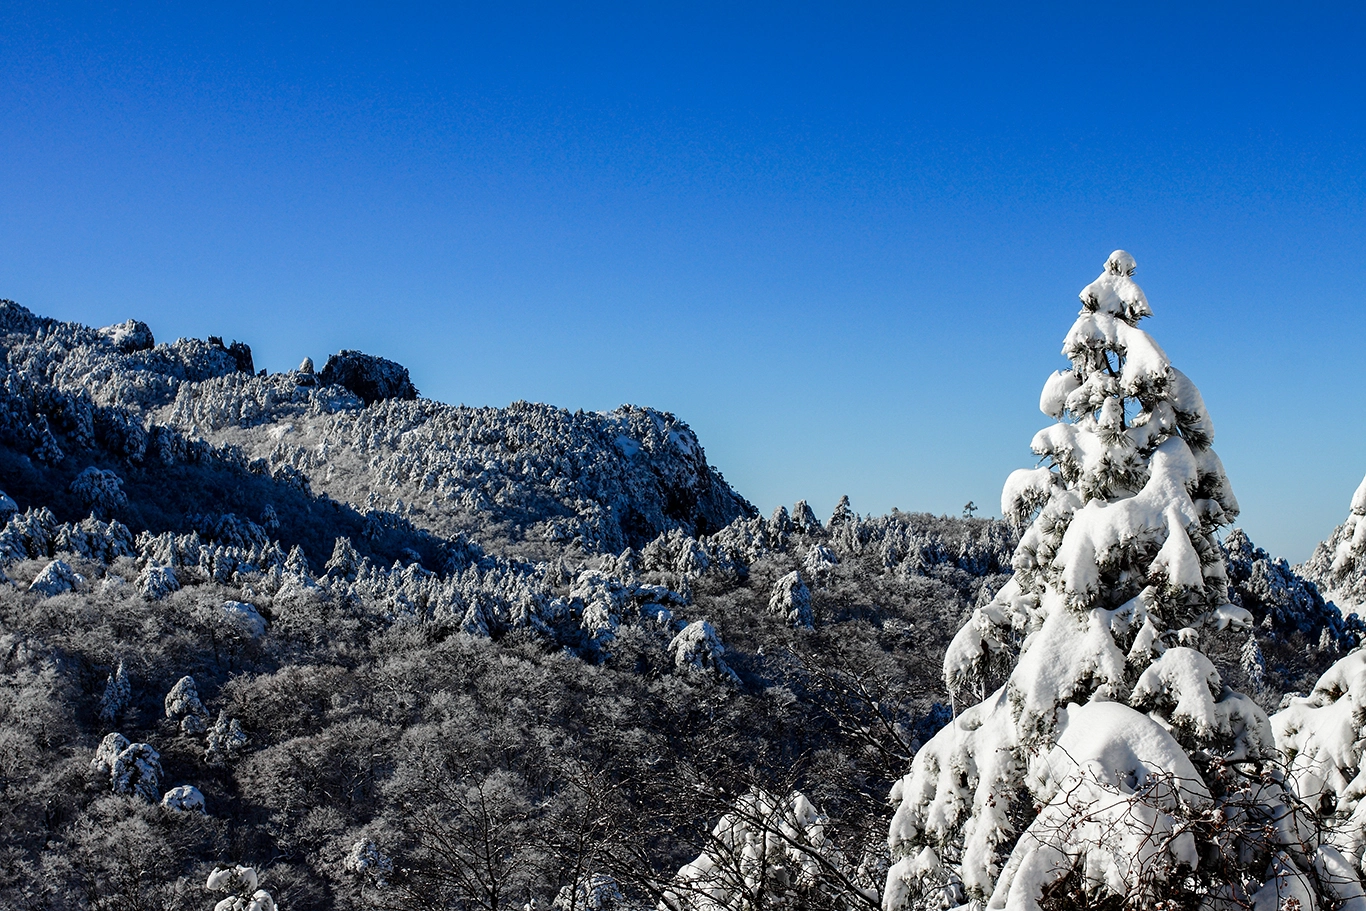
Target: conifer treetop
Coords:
[[1046, 786]]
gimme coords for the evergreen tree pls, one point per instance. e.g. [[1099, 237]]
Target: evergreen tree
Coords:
[[1338, 565], [1253, 664], [118, 692], [1112, 764]]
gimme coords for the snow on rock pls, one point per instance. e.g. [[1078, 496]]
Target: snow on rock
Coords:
[[183, 799], [245, 618], [55, 578], [791, 600], [7, 507], [697, 647], [132, 335], [192, 402], [371, 378]]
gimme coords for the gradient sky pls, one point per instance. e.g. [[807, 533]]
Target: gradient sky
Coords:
[[844, 244]]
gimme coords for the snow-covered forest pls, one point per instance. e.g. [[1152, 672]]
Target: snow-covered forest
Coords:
[[310, 640]]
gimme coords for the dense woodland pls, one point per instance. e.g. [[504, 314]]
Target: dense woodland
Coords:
[[381, 652]]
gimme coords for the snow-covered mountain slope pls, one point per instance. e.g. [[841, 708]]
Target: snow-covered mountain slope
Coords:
[[533, 474]]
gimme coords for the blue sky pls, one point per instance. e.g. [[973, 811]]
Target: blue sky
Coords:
[[843, 243]]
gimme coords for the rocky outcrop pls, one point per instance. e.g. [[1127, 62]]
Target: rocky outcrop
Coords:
[[371, 378], [130, 336]]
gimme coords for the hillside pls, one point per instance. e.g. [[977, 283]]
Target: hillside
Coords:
[[389, 652]]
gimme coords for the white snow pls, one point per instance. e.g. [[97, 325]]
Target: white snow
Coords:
[[1053, 400], [791, 600], [183, 699], [1115, 292], [55, 578], [156, 582], [183, 799], [241, 882], [1322, 737], [133, 768], [244, 617], [1101, 530], [1118, 787], [1026, 490], [765, 840], [697, 647]]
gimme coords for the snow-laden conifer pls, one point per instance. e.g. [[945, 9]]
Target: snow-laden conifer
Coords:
[[156, 582], [132, 768], [183, 704], [118, 692], [1338, 565], [769, 851], [791, 600], [819, 562], [241, 885], [1253, 664], [225, 740], [1112, 764], [698, 647], [1322, 737], [99, 490], [55, 578]]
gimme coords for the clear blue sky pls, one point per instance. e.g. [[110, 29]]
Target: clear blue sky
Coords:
[[844, 244]]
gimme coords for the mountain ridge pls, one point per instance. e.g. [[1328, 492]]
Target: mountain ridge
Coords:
[[603, 481]]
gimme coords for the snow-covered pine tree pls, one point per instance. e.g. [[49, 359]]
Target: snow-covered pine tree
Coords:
[[118, 692], [1112, 765], [1338, 565]]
